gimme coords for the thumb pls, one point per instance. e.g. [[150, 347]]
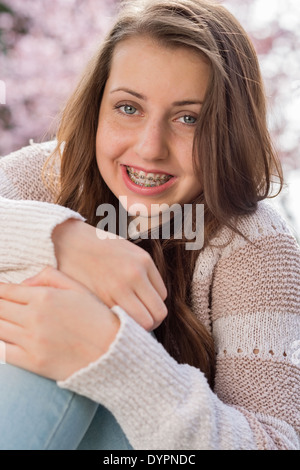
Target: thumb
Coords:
[[51, 277]]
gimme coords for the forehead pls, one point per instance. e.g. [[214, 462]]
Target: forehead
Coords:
[[144, 62]]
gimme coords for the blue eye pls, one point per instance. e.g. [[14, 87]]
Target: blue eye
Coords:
[[187, 119], [128, 109]]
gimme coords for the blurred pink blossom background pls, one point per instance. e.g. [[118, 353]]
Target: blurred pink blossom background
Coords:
[[45, 46]]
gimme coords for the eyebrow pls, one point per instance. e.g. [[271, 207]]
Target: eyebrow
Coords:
[[144, 98]]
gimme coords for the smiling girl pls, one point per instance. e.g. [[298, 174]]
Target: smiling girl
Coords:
[[170, 111], [147, 122]]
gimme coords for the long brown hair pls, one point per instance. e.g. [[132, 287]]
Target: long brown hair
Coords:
[[232, 154]]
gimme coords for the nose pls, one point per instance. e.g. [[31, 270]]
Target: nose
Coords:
[[152, 142]]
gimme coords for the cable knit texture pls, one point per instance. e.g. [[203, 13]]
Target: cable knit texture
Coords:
[[245, 291]]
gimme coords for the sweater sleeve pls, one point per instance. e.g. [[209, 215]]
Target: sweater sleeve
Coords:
[[161, 404], [27, 214]]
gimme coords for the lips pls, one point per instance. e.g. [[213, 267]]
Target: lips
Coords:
[[146, 183]]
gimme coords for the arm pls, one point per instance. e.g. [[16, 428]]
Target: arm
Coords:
[[27, 215], [21, 173], [255, 404], [159, 403], [36, 233], [26, 246]]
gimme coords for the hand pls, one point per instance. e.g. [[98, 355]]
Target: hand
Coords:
[[54, 331], [116, 270]]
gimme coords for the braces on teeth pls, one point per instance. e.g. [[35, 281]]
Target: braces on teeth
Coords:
[[152, 180]]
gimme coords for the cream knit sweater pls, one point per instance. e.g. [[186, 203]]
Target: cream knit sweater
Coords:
[[247, 295]]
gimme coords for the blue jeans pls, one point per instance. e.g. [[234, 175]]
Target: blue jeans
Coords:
[[35, 414]]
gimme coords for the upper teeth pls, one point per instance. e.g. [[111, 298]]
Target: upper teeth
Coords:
[[142, 175]]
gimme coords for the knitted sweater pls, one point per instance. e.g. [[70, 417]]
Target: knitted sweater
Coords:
[[246, 294]]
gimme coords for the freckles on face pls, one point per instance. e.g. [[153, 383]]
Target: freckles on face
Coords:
[[148, 115]]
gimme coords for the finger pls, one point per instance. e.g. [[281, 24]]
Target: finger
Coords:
[[136, 309], [53, 278], [157, 282], [152, 301], [15, 293], [16, 356], [10, 332], [12, 312]]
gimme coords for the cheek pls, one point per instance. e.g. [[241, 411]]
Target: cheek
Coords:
[[187, 164], [110, 144], [192, 178]]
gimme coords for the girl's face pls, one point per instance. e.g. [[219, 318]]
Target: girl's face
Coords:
[[150, 106]]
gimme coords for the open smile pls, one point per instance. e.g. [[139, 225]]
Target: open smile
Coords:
[[142, 178], [142, 182]]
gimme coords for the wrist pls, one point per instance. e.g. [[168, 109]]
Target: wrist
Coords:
[[104, 333], [112, 331]]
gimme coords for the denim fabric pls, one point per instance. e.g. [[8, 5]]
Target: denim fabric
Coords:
[[35, 414]]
